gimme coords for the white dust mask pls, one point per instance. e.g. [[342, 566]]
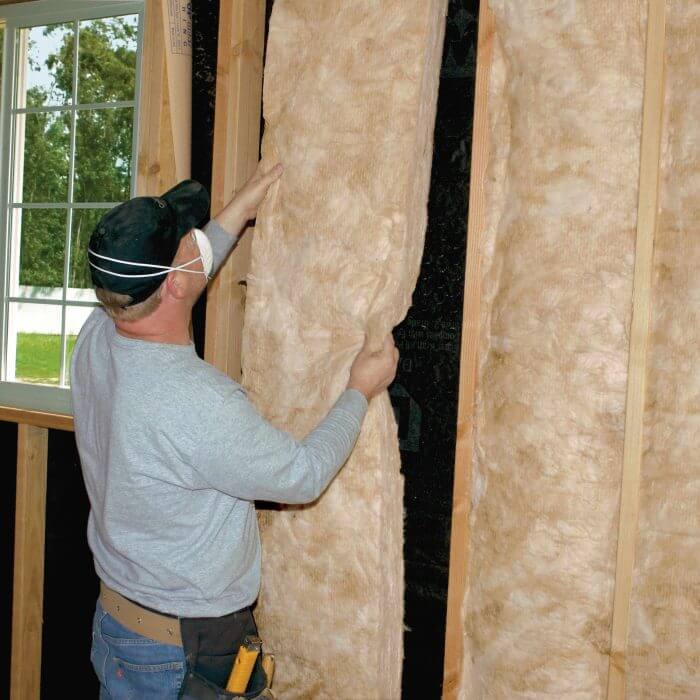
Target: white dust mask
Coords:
[[205, 251], [206, 255]]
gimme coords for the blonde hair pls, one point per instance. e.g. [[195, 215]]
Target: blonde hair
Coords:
[[116, 305]]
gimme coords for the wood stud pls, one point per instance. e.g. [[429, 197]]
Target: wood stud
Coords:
[[236, 153], [28, 587], [647, 222], [459, 538]]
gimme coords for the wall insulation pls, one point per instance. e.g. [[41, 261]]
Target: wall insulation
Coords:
[[349, 105], [663, 651], [565, 101]]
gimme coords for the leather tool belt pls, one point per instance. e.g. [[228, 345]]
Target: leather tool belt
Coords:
[[148, 623]]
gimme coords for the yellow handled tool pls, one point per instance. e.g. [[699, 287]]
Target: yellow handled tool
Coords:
[[242, 669]]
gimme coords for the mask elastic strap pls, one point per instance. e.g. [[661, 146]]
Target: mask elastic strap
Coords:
[[163, 269]]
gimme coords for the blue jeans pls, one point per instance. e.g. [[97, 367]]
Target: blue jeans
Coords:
[[131, 667]]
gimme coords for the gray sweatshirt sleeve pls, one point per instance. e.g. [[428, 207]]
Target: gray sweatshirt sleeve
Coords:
[[222, 243], [245, 456]]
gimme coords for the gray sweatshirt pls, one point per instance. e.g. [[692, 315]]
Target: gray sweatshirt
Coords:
[[174, 454]]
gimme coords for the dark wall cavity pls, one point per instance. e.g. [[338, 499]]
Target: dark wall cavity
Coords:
[[424, 394], [205, 30], [70, 583]]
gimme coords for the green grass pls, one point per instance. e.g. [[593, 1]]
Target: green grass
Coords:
[[39, 357]]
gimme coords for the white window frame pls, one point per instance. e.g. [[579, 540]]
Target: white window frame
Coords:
[[51, 399]]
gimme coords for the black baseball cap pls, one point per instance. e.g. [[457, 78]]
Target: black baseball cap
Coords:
[[136, 237]]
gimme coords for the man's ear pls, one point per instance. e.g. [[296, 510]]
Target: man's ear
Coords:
[[173, 285]]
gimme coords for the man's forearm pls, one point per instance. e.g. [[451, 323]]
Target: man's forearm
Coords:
[[226, 227], [330, 443], [232, 218]]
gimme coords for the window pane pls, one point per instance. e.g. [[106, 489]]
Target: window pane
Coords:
[[75, 318], [34, 348], [79, 282], [44, 171], [41, 257], [48, 65], [103, 155], [107, 63]]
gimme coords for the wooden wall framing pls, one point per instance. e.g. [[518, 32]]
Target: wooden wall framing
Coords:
[[156, 155], [28, 588], [458, 584], [455, 646], [236, 151], [647, 222]]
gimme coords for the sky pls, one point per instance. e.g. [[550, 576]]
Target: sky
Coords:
[[41, 47]]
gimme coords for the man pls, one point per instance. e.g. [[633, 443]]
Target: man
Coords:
[[173, 453]]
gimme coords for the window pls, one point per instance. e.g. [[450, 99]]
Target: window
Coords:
[[69, 125]]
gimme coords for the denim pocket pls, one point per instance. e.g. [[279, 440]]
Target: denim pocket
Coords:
[[135, 667], [139, 653], [150, 668], [159, 681], [99, 651]]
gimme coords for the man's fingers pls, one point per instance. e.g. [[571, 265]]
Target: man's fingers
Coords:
[[385, 349], [272, 175], [265, 176]]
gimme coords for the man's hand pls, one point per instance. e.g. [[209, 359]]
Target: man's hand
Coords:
[[245, 203], [371, 373]]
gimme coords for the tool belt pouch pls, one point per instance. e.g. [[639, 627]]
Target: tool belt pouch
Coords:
[[197, 687], [210, 646]]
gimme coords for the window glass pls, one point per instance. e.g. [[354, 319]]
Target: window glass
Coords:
[[35, 342], [84, 223], [46, 162], [46, 56], [107, 62], [71, 143], [103, 155], [42, 244]]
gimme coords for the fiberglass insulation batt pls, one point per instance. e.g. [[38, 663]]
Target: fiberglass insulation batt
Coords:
[[349, 103], [565, 101], [663, 650]]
